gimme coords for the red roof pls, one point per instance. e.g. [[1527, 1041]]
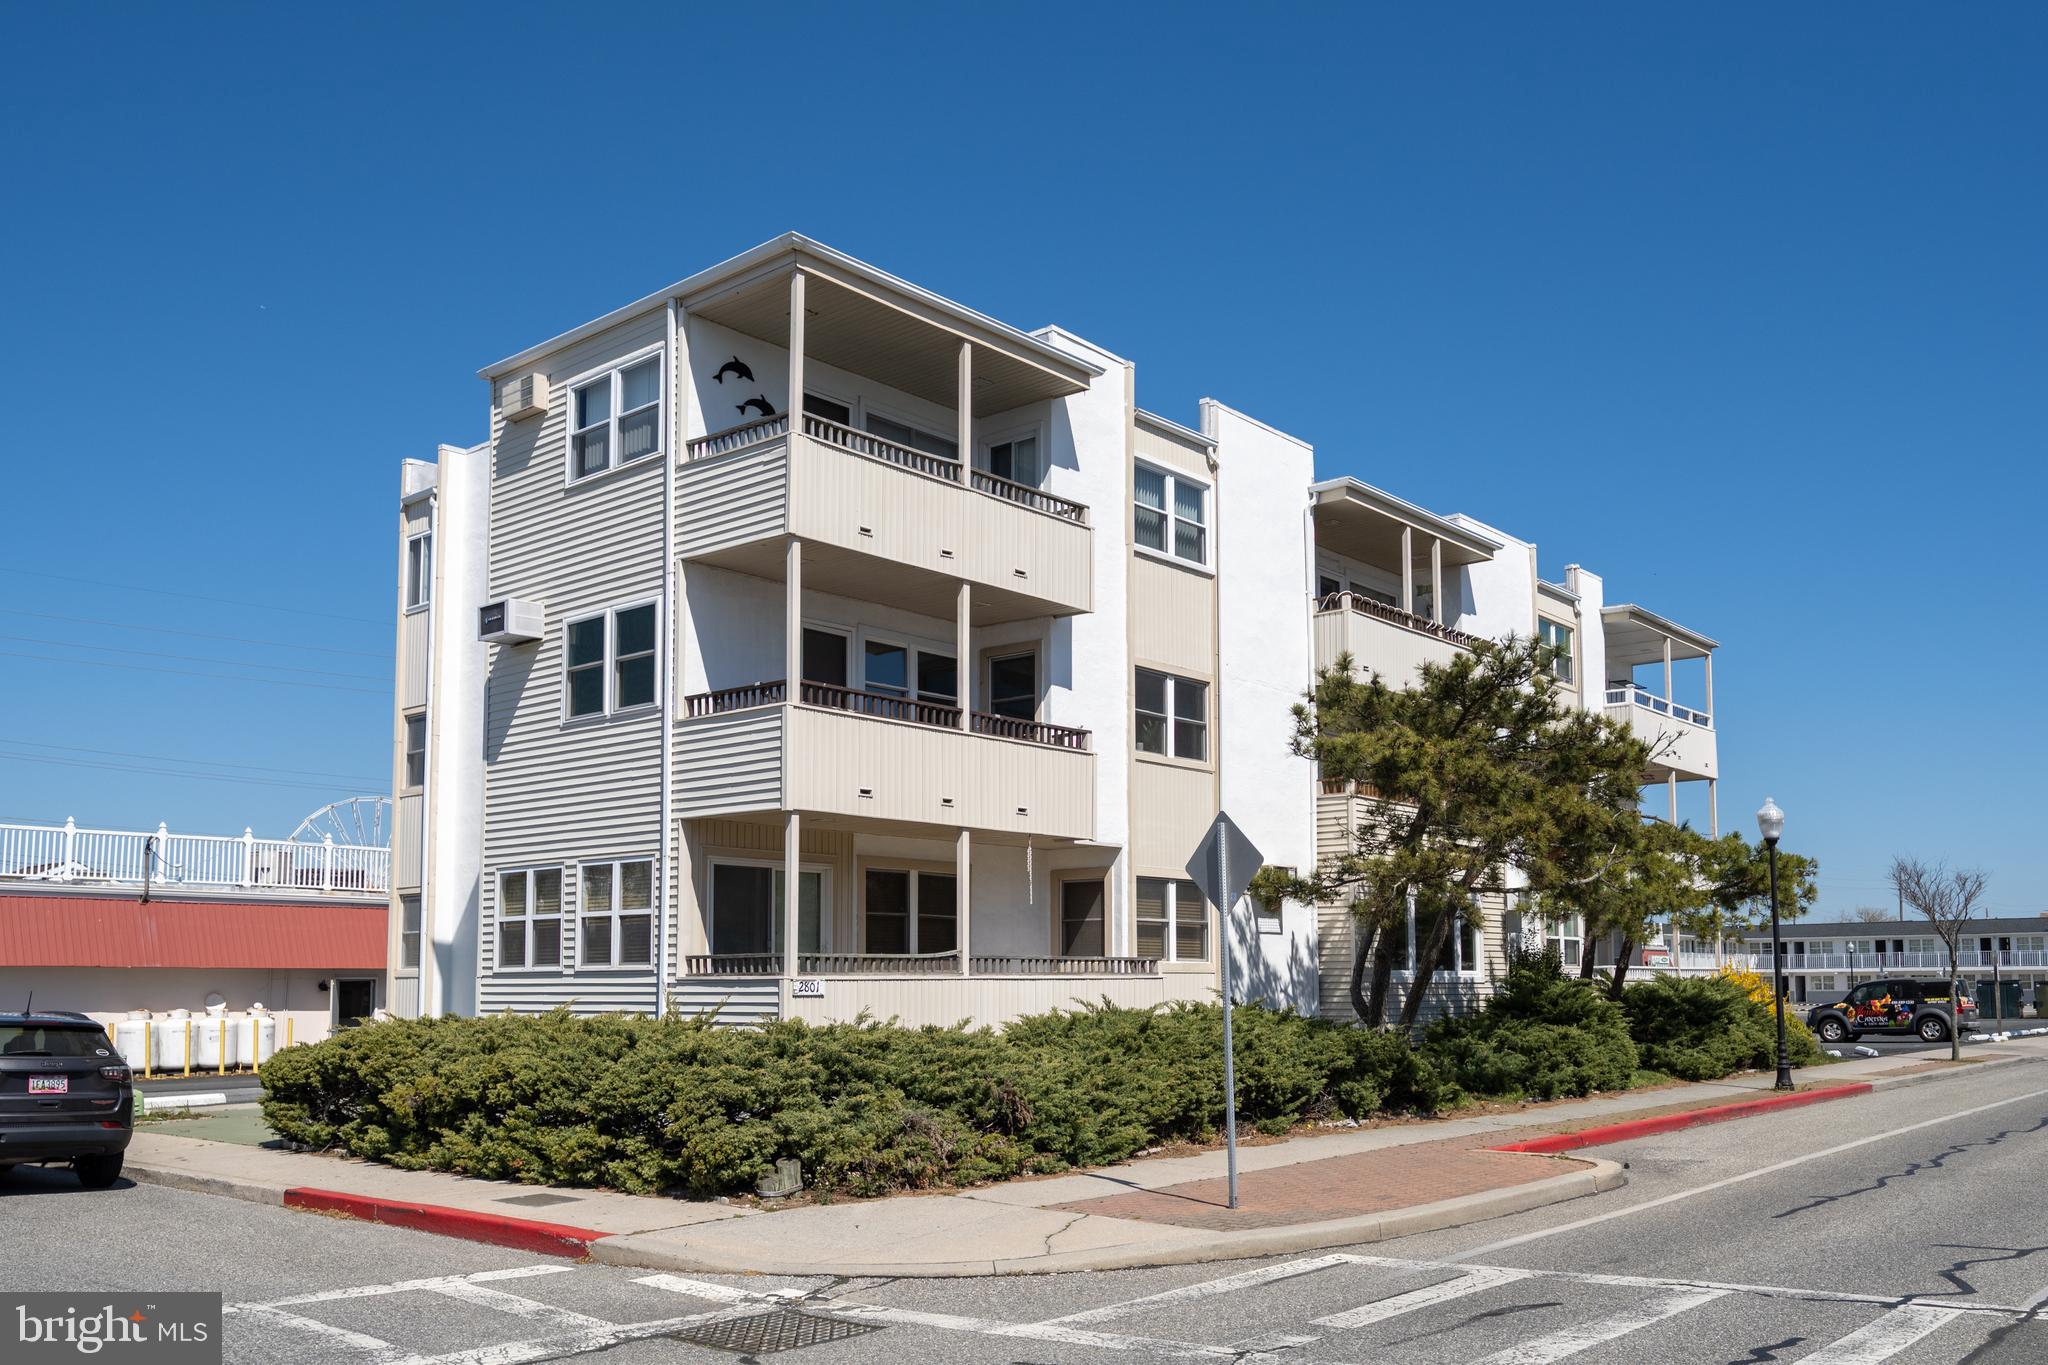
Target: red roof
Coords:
[[102, 931]]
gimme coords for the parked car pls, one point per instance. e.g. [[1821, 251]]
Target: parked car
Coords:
[[65, 1096], [1894, 1007]]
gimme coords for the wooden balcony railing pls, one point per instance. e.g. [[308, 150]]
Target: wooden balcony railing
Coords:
[[732, 964], [1372, 606], [1062, 966], [884, 706], [1024, 495], [875, 448], [753, 433], [914, 964], [879, 964]]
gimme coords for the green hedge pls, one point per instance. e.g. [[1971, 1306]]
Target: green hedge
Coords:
[[1541, 1036], [1702, 1027], [648, 1105]]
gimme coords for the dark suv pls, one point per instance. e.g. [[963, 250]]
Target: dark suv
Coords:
[[65, 1095], [1891, 1007]]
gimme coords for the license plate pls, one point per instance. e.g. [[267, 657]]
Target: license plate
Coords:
[[49, 1085]]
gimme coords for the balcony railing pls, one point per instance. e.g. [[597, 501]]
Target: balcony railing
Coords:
[[756, 432], [1062, 966], [1914, 963], [914, 964], [1629, 694], [1372, 606], [875, 448], [886, 706], [732, 964], [70, 856], [1024, 495]]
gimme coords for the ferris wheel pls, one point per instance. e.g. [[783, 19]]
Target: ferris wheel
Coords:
[[364, 821]]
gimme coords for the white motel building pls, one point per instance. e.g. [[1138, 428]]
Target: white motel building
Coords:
[[796, 575]]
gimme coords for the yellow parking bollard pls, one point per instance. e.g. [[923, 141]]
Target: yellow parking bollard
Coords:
[[188, 1047], [148, 1053]]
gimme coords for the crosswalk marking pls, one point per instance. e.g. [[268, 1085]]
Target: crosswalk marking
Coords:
[[371, 1291], [377, 1347], [1264, 1274], [718, 1293], [483, 1296], [1473, 1281], [1885, 1338], [1057, 1330], [1569, 1341]]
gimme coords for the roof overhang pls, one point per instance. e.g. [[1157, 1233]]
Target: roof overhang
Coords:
[[1557, 592], [1635, 636], [857, 318], [98, 931], [1365, 523], [1172, 429]]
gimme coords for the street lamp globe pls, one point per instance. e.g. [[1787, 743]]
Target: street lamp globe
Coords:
[[1770, 821]]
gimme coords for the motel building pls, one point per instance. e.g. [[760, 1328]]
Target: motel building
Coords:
[[1824, 959]]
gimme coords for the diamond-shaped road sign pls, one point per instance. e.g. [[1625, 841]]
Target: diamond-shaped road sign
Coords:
[[1244, 860]]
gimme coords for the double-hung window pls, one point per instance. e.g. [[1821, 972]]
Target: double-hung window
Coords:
[[416, 750], [409, 933], [608, 661], [1172, 920], [1173, 715], [530, 919], [615, 418], [1563, 934], [1557, 637], [419, 570], [616, 914], [1170, 514], [909, 673], [1414, 930]]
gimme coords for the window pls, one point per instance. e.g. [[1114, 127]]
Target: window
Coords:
[[416, 750], [1081, 927], [530, 919], [746, 908], [1173, 920], [419, 570], [1461, 949], [896, 670], [1170, 512], [1016, 460], [1173, 715], [1565, 934], [625, 636], [409, 932], [616, 919], [1558, 637], [615, 419], [824, 657], [903, 434], [1013, 686], [909, 912], [830, 409]]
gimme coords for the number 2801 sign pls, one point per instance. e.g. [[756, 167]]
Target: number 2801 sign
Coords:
[[807, 988]]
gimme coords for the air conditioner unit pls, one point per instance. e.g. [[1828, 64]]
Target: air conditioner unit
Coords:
[[513, 621], [523, 396]]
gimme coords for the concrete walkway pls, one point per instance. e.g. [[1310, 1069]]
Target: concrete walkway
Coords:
[[1334, 1188]]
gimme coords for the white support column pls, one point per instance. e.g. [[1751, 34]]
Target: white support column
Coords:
[[962, 901], [1671, 784], [793, 621], [1436, 579], [1713, 807], [796, 354], [963, 656], [792, 880], [1710, 685], [1408, 570], [1667, 671], [965, 412]]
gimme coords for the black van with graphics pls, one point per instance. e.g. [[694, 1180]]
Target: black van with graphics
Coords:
[[65, 1096], [1896, 1007]]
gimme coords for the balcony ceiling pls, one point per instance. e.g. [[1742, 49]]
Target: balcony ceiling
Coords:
[[869, 578], [1635, 636], [855, 326], [1361, 522]]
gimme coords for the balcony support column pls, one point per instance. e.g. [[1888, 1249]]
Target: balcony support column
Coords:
[[1671, 785], [1669, 697], [1436, 579], [1713, 806], [796, 355], [963, 657], [1710, 686], [963, 900], [965, 412], [793, 621], [1408, 570], [792, 864]]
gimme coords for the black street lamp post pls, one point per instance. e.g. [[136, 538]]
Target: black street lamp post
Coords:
[[1770, 822]]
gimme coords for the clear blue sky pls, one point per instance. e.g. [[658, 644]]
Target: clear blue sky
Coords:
[[1741, 306]]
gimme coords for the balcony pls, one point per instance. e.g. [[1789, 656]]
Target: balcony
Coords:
[[1681, 738], [1387, 640], [873, 755], [1971, 960], [69, 857]]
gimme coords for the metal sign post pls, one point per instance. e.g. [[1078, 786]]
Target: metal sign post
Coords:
[[1223, 867]]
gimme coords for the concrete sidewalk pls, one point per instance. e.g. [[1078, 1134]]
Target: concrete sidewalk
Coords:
[[1338, 1187]]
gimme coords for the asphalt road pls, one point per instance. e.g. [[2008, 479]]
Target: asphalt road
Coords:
[[1905, 1226]]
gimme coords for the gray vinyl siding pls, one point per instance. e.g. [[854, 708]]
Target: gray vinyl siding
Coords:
[[729, 763], [732, 500], [737, 1001], [556, 793]]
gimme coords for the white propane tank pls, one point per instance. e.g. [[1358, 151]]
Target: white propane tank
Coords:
[[258, 1036], [214, 1044], [167, 1040], [131, 1039]]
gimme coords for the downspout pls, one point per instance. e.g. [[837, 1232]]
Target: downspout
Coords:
[[428, 977], [671, 391]]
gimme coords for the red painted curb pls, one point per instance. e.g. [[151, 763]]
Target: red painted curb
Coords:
[[1667, 1123], [525, 1234]]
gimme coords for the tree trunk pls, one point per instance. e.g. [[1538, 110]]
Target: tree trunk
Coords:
[[1361, 1003], [1628, 950], [1427, 955], [1382, 979], [1589, 949]]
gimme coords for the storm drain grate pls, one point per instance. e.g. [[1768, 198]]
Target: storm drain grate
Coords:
[[784, 1329], [538, 1201]]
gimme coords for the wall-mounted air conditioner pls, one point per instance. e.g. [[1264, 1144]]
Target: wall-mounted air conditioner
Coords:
[[513, 621], [523, 396]]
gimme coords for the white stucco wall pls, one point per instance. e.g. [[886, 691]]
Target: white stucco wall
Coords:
[[1592, 637], [109, 993], [1496, 598], [450, 897], [1263, 564]]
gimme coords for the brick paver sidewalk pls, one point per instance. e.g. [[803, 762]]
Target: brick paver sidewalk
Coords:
[[1334, 1187]]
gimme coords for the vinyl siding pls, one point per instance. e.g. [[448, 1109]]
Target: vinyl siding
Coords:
[[413, 650], [1393, 651], [405, 841], [1173, 617], [732, 500], [1172, 808], [729, 763]]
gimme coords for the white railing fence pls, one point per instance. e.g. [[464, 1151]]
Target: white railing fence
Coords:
[[1629, 694], [69, 855]]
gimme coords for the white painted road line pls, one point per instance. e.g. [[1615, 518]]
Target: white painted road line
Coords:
[[1491, 1247], [717, 1293], [1472, 1281], [1055, 1331], [1266, 1274], [1569, 1341], [371, 1291], [376, 1347], [483, 1296], [1885, 1338]]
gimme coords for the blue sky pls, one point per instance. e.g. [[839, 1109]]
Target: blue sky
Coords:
[[1741, 307]]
